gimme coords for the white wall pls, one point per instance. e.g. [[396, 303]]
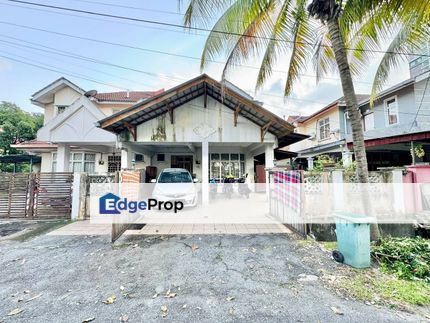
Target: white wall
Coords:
[[46, 164], [193, 119]]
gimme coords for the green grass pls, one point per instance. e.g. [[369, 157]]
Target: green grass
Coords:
[[329, 245], [372, 286]]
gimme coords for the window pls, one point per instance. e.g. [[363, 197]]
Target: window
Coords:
[[223, 165], [369, 122], [78, 162], [324, 128], [114, 163], [391, 111], [161, 157], [54, 162], [61, 108]]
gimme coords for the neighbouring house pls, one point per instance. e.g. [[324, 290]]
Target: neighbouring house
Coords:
[[69, 131], [209, 128], [398, 121], [326, 131]]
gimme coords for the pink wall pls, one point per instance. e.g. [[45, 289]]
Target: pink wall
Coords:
[[415, 174]]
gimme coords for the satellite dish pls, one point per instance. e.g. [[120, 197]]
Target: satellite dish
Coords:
[[91, 93]]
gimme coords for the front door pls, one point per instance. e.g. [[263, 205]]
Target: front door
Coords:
[[182, 161]]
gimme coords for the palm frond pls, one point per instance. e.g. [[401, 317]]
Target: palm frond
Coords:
[[408, 39], [323, 57], [255, 35], [302, 38], [280, 27]]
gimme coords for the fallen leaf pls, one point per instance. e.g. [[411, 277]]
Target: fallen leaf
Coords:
[[163, 310], [253, 250], [230, 298], [231, 311], [336, 310], [88, 319], [184, 306], [169, 294], [27, 291], [15, 311], [155, 295], [32, 298], [123, 318], [121, 287], [110, 300], [194, 247]]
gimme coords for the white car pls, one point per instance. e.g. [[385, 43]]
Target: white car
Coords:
[[175, 184]]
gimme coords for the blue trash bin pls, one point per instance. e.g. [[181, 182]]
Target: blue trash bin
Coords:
[[353, 240]]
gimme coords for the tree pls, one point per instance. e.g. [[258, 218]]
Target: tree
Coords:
[[347, 35], [346, 39], [16, 126]]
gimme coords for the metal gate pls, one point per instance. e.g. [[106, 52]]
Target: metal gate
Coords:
[[286, 199], [35, 195]]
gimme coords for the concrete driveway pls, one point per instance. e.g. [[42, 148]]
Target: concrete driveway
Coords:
[[208, 278]]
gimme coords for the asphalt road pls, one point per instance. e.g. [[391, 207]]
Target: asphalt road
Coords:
[[253, 278]]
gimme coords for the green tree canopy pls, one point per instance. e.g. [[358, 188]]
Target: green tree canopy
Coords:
[[16, 126]]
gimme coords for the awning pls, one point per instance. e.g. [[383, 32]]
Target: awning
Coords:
[[17, 159], [227, 94]]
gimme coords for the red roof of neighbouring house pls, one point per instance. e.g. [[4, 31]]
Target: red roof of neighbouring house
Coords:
[[124, 96], [34, 144]]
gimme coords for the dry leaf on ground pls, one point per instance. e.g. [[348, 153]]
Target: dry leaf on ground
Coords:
[[194, 247], [32, 298], [88, 319], [336, 310], [164, 310], [110, 300], [15, 311], [123, 318]]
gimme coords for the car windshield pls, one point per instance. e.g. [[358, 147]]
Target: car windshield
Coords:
[[175, 177]]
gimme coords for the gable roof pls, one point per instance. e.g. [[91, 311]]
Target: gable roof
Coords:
[[124, 96], [51, 88], [185, 92], [336, 103]]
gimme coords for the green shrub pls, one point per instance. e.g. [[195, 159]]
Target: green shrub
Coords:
[[408, 258]]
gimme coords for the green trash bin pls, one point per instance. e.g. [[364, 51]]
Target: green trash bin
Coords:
[[353, 240]]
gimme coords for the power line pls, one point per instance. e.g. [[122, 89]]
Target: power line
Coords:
[[153, 50], [49, 68], [84, 58], [163, 23]]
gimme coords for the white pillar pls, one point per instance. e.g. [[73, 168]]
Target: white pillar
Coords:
[[347, 158], [126, 158], [398, 191], [63, 158], [310, 162], [205, 172], [269, 158], [76, 195], [337, 190]]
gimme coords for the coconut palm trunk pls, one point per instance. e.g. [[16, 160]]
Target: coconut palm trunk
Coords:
[[350, 99], [328, 12], [353, 112]]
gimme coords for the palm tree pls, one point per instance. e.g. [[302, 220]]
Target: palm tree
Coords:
[[273, 28], [333, 34]]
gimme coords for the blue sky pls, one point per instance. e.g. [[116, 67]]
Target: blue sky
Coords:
[[19, 81]]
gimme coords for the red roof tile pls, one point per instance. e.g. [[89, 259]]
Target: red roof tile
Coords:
[[34, 144], [124, 96]]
